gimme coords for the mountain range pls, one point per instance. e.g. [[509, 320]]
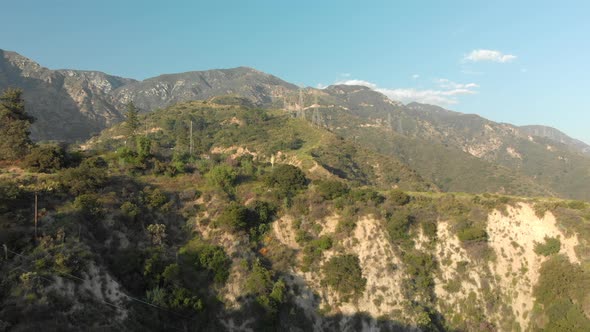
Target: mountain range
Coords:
[[240, 202], [454, 151]]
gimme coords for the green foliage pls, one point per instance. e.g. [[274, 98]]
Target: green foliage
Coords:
[[551, 246], [429, 228], [561, 292], [216, 261], [312, 252], [89, 205], [183, 299], [171, 273], [267, 293], [14, 125], [330, 189], [131, 118], [130, 210], [398, 226], [143, 147], [472, 234], [259, 281], [223, 177], [260, 214], [366, 195], [577, 205], [10, 194], [399, 197], [157, 233], [468, 231], [45, 158], [89, 177], [234, 217], [263, 212], [286, 179], [344, 275], [154, 198], [420, 267]]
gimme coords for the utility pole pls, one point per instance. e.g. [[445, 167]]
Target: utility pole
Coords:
[[191, 138], [301, 108], [36, 215], [316, 114]]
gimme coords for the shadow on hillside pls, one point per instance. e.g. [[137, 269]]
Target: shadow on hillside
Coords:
[[57, 113]]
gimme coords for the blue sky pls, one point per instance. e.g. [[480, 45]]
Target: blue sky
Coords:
[[522, 62]]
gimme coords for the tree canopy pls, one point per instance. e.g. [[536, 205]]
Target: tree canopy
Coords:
[[15, 125]]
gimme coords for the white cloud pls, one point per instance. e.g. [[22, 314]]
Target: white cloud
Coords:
[[489, 55], [448, 84], [415, 76], [358, 82], [446, 95]]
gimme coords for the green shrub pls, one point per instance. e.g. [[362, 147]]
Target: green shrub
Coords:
[[90, 176], [312, 252], [398, 197], [234, 217], [331, 189], [259, 281], [88, 205], [577, 205], [366, 195], [551, 246], [126, 155], [346, 225], [130, 210], [286, 179], [154, 198], [472, 234], [183, 299], [46, 158], [560, 295], [344, 275], [429, 228], [468, 231], [223, 177], [398, 226], [216, 261]]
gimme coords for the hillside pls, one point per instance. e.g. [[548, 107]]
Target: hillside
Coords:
[[458, 152], [73, 105], [273, 223], [68, 104], [453, 151]]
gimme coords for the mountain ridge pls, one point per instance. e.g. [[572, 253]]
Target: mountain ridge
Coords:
[[118, 85]]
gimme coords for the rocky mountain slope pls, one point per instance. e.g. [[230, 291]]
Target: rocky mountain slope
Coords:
[[274, 223], [557, 136], [458, 152], [73, 105], [162, 91], [68, 104], [454, 151]]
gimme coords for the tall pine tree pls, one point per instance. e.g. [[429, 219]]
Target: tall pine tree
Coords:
[[15, 126], [131, 119]]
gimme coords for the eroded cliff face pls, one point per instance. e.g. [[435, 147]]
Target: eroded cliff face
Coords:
[[495, 281], [68, 104]]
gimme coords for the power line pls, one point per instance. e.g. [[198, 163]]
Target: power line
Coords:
[[112, 304]]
